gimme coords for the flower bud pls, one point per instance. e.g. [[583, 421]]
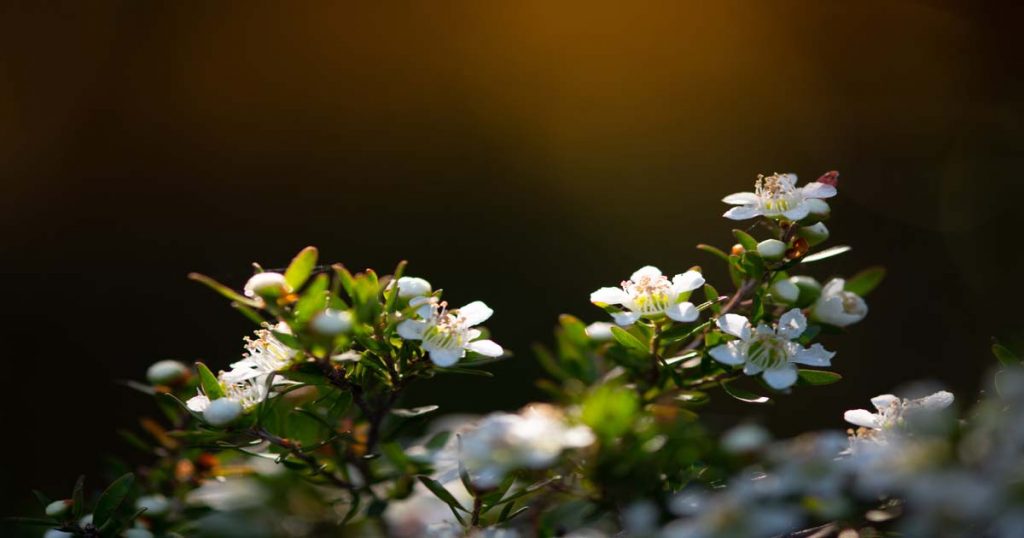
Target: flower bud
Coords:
[[222, 411], [785, 292], [600, 331], [410, 286], [737, 249], [59, 508], [57, 533], [771, 249], [810, 289], [332, 322], [838, 307], [818, 209], [814, 234], [167, 372], [155, 505], [267, 285]]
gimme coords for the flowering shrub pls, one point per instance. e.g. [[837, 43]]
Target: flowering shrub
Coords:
[[304, 435]]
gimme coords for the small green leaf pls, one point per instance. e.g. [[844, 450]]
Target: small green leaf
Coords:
[[743, 395], [1005, 356], [112, 498], [438, 490], [827, 253], [629, 341], [711, 294], [223, 290], [301, 267], [44, 501], [313, 300], [818, 377], [438, 441], [211, 386], [745, 240], [414, 412], [78, 498], [682, 332], [863, 282], [714, 251], [391, 293]]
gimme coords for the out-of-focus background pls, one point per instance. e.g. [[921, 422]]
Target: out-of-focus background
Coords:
[[522, 153]]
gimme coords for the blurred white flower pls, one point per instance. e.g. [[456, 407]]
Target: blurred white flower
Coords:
[[532, 439], [264, 355], [777, 196], [650, 294], [447, 334], [769, 350], [331, 322], [838, 307], [892, 412], [600, 331]]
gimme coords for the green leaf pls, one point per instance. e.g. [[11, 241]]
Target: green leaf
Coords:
[[44, 501], [863, 282], [391, 299], [1005, 356], [112, 498], [711, 294], [223, 290], [211, 386], [818, 377], [301, 267], [438, 440], [827, 253], [743, 395], [78, 498], [313, 300], [438, 490], [414, 412], [610, 410], [714, 251], [682, 332], [745, 240], [629, 341]]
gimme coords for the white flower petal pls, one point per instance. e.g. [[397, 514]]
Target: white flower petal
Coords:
[[728, 354], [687, 281], [751, 369], [600, 331], [625, 318], [740, 198], [884, 401], [819, 190], [735, 325], [485, 347], [798, 212], [815, 355], [833, 287], [410, 286], [198, 403], [475, 313], [742, 212], [446, 357], [412, 329], [648, 271], [683, 312], [862, 418], [780, 378], [792, 324], [939, 400], [609, 296]]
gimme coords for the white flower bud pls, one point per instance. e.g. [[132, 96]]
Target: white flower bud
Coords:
[[222, 411], [155, 505], [58, 508], [166, 372], [818, 209], [814, 234], [332, 322], [810, 289], [57, 533], [137, 532], [410, 286], [600, 331], [267, 285], [785, 292], [838, 307], [771, 249]]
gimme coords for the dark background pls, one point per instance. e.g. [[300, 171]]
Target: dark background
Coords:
[[521, 153]]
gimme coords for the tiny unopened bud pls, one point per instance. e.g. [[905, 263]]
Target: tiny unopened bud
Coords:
[[771, 249], [410, 286], [222, 411], [830, 178], [818, 209], [737, 249], [167, 372], [810, 289], [59, 508], [814, 234], [155, 505], [332, 322], [267, 285], [785, 292]]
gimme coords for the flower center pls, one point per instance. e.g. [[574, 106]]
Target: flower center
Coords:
[[446, 331], [651, 295], [768, 351], [776, 194], [850, 303]]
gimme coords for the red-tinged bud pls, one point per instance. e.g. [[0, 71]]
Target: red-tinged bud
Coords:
[[830, 178]]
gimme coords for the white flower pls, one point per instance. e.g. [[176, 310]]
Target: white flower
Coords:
[[838, 307], [769, 350], [650, 294], [447, 334], [600, 331], [266, 285], [532, 439], [777, 196], [332, 322], [410, 286], [892, 411]]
